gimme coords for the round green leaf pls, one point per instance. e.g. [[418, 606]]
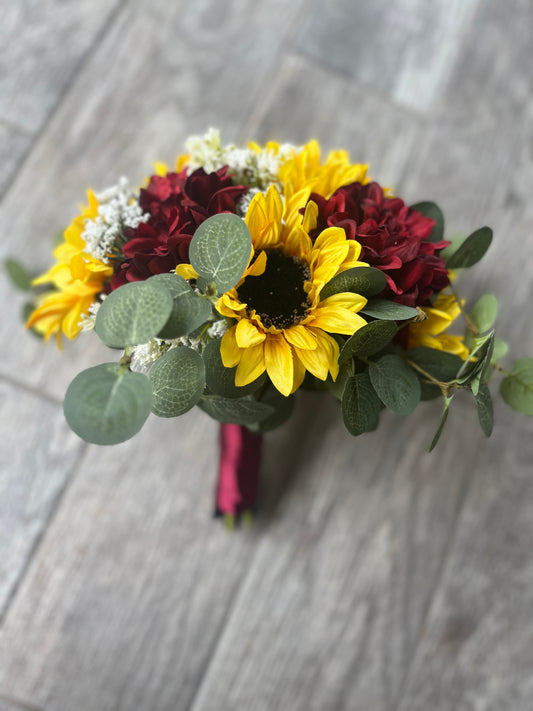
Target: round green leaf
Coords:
[[221, 380], [366, 281], [244, 411], [484, 312], [360, 405], [18, 275], [395, 384], [282, 410], [178, 381], [500, 349], [220, 250], [189, 310], [386, 310], [517, 388], [472, 249], [133, 314], [107, 404], [368, 340], [433, 211]]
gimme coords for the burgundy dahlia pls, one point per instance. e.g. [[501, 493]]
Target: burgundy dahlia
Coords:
[[177, 205], [394, 237]]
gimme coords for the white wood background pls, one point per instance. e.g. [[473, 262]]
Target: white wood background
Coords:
[[377, 576]]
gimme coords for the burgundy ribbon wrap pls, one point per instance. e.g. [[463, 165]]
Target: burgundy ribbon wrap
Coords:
[[238, 478]]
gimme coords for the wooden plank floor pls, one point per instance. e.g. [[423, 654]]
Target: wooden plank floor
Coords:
[[377, 576]]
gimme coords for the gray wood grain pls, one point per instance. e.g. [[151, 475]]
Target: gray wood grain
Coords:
[[302, 104], [403, 49], [133, 582], [10, 704], [377, 576], [13, 147], [39, 454], [41, 46]]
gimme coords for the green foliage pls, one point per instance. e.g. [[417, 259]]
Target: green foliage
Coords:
[[220, 250], [388, 310], [368, 340], [221, 380], [107, 404], [439, 364], [360, 405], [444, 417], [189, 310], [475, 369], [336, 387], [500, 349], [17, 274], [433, 211], [472, 249], [452, 248], [517, 387], [395, 384], [243, 411], [484, 410], [366, 281], [282, 410], [133, 314], [484, 312], [178, 381]]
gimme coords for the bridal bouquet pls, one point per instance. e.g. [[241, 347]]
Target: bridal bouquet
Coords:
[[244, 274]]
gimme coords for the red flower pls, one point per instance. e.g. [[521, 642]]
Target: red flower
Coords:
[[177, 205], [394, 237]]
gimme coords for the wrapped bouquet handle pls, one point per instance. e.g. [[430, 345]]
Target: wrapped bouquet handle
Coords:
[[244, 274]]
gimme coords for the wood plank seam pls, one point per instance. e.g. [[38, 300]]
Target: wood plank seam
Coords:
[[32, 553]]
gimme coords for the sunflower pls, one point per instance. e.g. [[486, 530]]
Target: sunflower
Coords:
[[283, 326], [77, 277], [430, 332]]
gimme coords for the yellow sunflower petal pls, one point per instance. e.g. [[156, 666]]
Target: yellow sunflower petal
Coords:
[[229, 350], [299, 373], [301, 337], [353, 302], [258, 266], [247, 334], [186, 271], [335, 319], [279, 363], [251, 365]]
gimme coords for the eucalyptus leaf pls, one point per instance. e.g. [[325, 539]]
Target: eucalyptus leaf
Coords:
[[485, 410], [484, 312], [477, 361], [472, 249], [452, 248], [243, 411], [178, 381], [366, 281], [133, 314], [517, 387], [444, 417], [189, 310], [441, 365], [17, 274], [107, 404], [388, 310], [360, 405], [336, 387], [282, 409], [220, 250], [395, 384], [221, 380], [368, 340], [500, 349], [433, 211]]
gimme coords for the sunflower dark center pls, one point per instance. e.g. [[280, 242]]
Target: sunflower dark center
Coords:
[[277, 295]]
